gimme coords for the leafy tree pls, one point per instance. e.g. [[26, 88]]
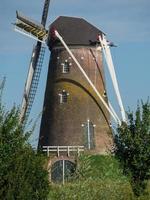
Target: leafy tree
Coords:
[[22, 173], [133, 146]]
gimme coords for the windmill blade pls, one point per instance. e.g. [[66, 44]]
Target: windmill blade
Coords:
[[38, 31], [32, 81], [45, 12], [30, 28], [109, 61], [28, 21]]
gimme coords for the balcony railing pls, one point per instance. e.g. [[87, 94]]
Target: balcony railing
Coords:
[[58, 149]]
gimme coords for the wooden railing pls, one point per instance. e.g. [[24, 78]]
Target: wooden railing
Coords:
[[59, 149]]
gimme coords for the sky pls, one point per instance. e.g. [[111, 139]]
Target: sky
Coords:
[[126, 23]]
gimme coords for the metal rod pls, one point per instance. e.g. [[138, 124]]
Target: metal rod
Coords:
[[88, 128], [63, 172]]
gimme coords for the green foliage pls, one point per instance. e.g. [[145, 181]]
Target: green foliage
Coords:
[[106, 167], [98, 178], [133, 147], [93, 190], [83, 167], [22, 173], [100, 167], [146, 194]]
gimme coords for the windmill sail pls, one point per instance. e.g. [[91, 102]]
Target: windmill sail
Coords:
[[32, 82], [36, 30], [29, 27]]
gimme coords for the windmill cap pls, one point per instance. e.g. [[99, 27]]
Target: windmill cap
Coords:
[[74, 31]]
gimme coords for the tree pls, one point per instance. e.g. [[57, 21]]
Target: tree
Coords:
[[22, 173], [133, 146]]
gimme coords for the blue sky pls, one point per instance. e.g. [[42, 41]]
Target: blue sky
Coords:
[[126, 23]]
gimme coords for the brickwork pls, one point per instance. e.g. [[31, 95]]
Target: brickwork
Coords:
[[62, 123]]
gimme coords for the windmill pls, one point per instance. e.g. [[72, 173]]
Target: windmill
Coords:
[[76, 112]]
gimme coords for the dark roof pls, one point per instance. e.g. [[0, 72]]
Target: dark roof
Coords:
[[75, 31]]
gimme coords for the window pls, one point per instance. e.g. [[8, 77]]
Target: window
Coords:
[[63, 96], [62, 171], [104, 94], [66, 67], [89, 142]]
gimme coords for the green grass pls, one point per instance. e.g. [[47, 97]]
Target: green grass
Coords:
[[97, 178]]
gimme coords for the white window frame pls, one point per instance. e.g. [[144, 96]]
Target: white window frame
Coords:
[[66, 67], [61, 95]]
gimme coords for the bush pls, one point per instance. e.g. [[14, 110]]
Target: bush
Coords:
[[133, 147], [22, 173], [93, 190]]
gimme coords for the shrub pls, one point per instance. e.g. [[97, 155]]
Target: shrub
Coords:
[[133, 147], [22, 173]]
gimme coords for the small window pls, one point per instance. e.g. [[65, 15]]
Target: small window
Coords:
[[64, 96], [66, 67], [89, 142], [104, 94]]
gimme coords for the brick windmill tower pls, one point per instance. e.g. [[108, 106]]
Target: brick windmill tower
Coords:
[[72, 112], [76, 111]]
